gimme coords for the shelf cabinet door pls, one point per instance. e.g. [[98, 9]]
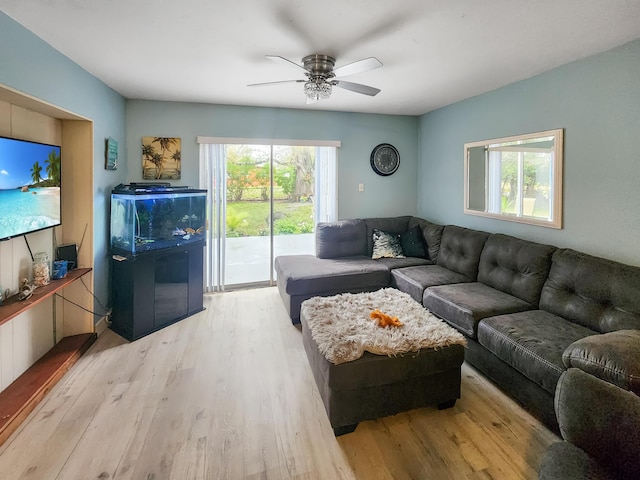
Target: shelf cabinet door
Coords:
[[196, 279], [171, 287]]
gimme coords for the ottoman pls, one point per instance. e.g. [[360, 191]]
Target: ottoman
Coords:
[[373, 385]]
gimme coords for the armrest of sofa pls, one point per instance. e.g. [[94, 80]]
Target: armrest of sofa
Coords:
[[344, 238], [565, 461], [613, 357], [601, 419]]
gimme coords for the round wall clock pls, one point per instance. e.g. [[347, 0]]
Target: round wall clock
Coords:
[[385, 159]]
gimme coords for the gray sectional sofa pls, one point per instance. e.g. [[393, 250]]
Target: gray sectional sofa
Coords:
[[521, 304]]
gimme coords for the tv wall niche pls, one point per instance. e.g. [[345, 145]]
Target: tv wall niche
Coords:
[[30, 335]]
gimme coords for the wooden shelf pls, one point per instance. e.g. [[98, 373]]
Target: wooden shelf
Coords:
[[13, 307], [19, 399], [34, 119]]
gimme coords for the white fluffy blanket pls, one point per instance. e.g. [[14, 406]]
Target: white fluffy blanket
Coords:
[[342, 329]]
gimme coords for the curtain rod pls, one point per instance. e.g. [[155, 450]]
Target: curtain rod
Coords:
[[269, 141]]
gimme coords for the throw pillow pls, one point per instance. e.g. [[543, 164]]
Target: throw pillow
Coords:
[[386, 245], [413, 243]]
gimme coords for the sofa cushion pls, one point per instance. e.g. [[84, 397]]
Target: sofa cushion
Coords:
[[304, 274], [613, 357], [394, 263], [515, 266], [412, 242], [432, 235], [345, 238], [532, 342], [463, 305], [460, 250], [386, 245], [414, 280], [387, 224], [597, 293]]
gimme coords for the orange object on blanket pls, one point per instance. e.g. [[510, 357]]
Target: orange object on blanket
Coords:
[[385, 320]]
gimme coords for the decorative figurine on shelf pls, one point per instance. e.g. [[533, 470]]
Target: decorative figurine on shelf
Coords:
[[26, 290]]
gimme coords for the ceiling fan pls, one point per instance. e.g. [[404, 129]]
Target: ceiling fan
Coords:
[[321, 76]]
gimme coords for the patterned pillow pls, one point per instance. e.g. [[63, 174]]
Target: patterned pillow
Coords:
[[386, 245]]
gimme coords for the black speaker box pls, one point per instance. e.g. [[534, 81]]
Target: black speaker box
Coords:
[[69, 253]]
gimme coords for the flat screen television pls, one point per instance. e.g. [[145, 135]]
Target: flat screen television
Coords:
[[29, 187]]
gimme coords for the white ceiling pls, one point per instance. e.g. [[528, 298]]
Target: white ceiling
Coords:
[[435, 52]]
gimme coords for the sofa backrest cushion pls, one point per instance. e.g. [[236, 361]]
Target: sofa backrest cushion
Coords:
[[431, 234], [389, 224], [594, 292], [515, 266], [344, 238], [460, 250]]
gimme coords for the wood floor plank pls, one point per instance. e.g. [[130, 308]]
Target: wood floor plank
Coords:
[[228, 394]]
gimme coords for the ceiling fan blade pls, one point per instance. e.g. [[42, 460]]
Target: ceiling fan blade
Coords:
[[357, 87], [285, 61], [357, 67], [264, 84]]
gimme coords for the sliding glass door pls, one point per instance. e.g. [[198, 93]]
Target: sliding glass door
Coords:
[[293, 214], [265, 201], [248, 204]]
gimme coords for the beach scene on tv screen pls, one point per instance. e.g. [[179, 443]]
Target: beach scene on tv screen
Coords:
[[29, 187]]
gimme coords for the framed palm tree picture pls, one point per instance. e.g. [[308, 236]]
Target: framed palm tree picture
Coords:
[[161, 158]]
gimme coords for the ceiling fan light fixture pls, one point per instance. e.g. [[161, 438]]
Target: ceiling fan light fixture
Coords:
[[317, 90], [321, 76]]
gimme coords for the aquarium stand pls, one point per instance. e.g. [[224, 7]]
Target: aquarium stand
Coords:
[[155, 289]]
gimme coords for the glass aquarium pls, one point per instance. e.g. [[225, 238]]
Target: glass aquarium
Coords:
[[149, 218]]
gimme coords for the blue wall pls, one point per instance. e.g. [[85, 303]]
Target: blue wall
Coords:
[[359, 133], [32, 66], [597, 102]]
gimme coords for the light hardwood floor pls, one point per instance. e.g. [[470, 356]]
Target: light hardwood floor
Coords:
[[228, 394]]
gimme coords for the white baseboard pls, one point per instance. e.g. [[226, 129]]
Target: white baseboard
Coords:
[[101, 325]]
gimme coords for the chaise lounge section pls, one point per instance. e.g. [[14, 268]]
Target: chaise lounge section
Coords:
[[343, 262]]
